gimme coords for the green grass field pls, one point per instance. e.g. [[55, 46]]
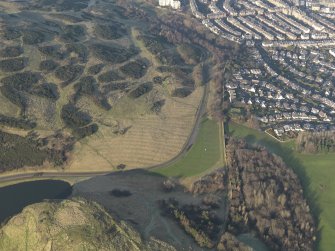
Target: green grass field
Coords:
[[204, 154], [316, 173]]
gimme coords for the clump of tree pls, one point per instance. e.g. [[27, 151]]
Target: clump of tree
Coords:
[[316, 142], [13, 64], [112, 31], [15, 86], [17, 122], [69, 73], [88, 86], [66, 17], [95, 69], [135, 69], [85, 131], [109, 76], [11, 51], [192, 54], [155, 44], [48, 65], [229, 242], [79, 49], [266, 196], [32, 37], [217, 104], [52, 51], [33, 151], [181, 92], [73, 117], [46, 90], [113, 53], [115, 87], [157, 106], [11, 33], [141, 90], [22, 81], [202, 224], [170, 57], [73, 33], [80, 122]]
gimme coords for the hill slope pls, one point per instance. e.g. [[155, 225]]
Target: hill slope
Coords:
[[71, 225]]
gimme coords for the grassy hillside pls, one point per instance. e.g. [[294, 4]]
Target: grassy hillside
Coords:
[[316, 173], [71, 225]]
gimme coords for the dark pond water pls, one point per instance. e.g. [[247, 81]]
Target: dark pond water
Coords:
[[15, 197]]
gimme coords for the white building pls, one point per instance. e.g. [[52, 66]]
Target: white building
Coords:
[[175, 4]]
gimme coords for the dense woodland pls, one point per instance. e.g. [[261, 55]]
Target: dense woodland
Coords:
[[266, 196]]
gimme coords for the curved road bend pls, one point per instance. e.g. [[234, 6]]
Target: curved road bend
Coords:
[[201, 111]]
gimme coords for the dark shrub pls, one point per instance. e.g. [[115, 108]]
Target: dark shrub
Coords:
[[141, 90]]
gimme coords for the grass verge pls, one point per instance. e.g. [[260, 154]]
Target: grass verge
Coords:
[[316, 172], [203, 155]]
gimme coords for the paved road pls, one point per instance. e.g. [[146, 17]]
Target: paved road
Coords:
[[201, 111]]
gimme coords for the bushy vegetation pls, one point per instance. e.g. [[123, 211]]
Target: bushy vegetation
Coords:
[[115, 87], [141, 90], [110, 76], [85, 131], [95, 69], [170, 57], [113, 53], [63, 5], [46, 90], [74, 118], [16, 97], [157, 106], [69, 73], [78, 49], [202, 224], [192, 54], [135, 69], [265, 192], [89, 87], [110, 31], [11, 33], [11, 51], [52, 51], [32, 152], [78, 121], [181, 92], [32, 37], [155, 44], [15, 85], [13, 64], [73, 33], [48, 65], [17, 122], [68, 18], [22, 81]]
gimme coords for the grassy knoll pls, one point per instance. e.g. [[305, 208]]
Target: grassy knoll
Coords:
[[203, 155], [316, 173]]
